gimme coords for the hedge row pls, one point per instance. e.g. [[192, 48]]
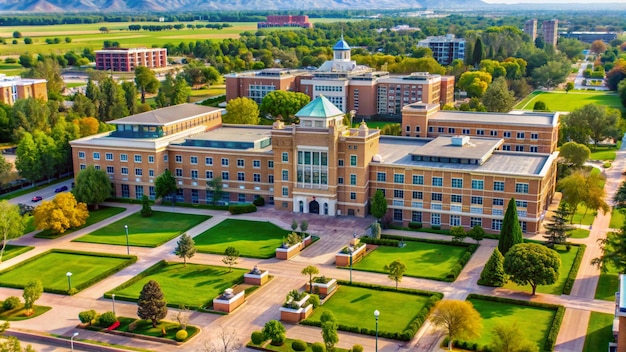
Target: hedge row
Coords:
[[417, 227], [458, 267], [425, 240], [571, 278], [409, 332], [556, 323], [131, 260], [242, 209]]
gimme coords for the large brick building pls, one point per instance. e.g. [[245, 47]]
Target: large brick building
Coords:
[[446, 176], [13, 88], [347, 85], [301, 21], [127, 59]]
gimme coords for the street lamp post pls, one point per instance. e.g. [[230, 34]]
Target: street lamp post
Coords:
[[113, 297], [69, 280], [127, 247], [72, 340], [376, 314], [351, 250]]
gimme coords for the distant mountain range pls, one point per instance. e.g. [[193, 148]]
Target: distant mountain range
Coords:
[[47, 6]]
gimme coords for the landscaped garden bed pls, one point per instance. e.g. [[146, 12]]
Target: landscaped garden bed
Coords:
[[429, 259], [194, 286], [12, 251], [539, 322], [51, 269], [402, 311], [145, 231], [143, 329], [18, 312], [95, 216], [286, 347]]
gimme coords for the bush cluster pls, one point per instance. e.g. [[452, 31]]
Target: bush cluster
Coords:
[[298, 345], [181, 335], [87, 316], [257, 337], [415, 225], [107, 319], [380, 242], [571, 277], [259, 201], [11, 303], [242, 209], [318, 347]]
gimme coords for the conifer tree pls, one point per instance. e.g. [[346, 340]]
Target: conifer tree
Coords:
[[556, 230], [185, 247], [477, 55], [151, 304], [511, 232], [493, 272]]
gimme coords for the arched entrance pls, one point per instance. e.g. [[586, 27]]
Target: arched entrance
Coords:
[[314, 207]]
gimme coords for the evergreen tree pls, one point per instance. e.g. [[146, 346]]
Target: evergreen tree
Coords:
[[511, 232], [146, 210], [498, 97], [151, 304], [185, 247], [556, 230], [477, 55], [130, 96], [379, 205], [493, 272]]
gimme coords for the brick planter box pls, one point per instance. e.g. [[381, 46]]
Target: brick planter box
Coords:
[[295, 315], [257, 280], [343, 259], [307, 241], [222, 304], [323, 289], [288, 253]]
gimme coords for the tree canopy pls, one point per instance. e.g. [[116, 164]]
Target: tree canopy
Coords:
[[92, 186], [60, 214], [613, 248], [532, 264], [165, 185], [379, 205], [592, 123], [151, 304], [458, 319], [185, 247], [242, 111], [497, 97], [475, 83], [574, 153], [283, 104], [12, 223]]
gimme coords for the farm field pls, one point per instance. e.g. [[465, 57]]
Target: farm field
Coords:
[[560, 101]]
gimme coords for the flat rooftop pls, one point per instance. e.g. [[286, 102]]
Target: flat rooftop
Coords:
[[523, 118], [476, 148], [232, 137], [166, 116], [398, 150]]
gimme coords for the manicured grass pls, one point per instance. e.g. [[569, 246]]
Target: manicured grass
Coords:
[[286, 347], [603, 153], [18, 313], [599, 332], [560, 101], [252, 238], [144, 327], [11, 69], [567, 260], [618, 217], [51, 268], [12, 251], [427, 260], [145, 232], [94, 217], [534, 322], [579, 233], [580, 218], [608, 284], [353, 306], [193, 286]]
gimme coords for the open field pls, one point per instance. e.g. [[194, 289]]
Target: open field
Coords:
[[599, 332], [426, 260], [252, 238], [94, 216], [560, 101], [193, 286], [608, 284], [144, 232]]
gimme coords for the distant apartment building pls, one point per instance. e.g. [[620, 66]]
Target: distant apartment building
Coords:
[[530, 28], [590, 37], [127, 59], [13, 88], [445, 48], [348, 86], [286, 21], [550, 29]]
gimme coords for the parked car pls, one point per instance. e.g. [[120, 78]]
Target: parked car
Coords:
[[60, 189], [37, 199]]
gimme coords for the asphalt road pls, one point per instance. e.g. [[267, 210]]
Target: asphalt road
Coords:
[[47, 193]]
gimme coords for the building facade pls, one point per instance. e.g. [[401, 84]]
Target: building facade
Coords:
[[445, 48], [13, 88], [348, 86], [127, 59], [550, 30], [441, 178], [301, 21], [590, 37], [530, 28]]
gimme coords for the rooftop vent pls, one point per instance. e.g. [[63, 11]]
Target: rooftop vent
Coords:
[[460, 141]]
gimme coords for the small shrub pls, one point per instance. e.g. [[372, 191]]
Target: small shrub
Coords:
[[436, 227], [72, 291], [259, 201], [242, 209], [298, 345], [318, 347], [87, 316], [10, 60], [606, 165], [107, 319], [314, 300], [357, 348], [415, 225], [257, 337], [181, 335], [11, 303]]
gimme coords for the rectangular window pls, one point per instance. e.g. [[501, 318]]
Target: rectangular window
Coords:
[[256, 164], [256, 177], [522, 224], [456, 198], [457, 183], [152, 192], [138, 172], [519, 148], [397, 214], [193, 160], [285, 175], [521, 204], [110, 170], [418, 179], [498, 202], [381, 176], [225, 176], [224, 161], [398, 178], [437, 181], [179, 172], [352, 195], [520, 135], [534, 149], [352, 160], [417, 204], [451, 130], [285, 191], [241, 176], [435, 219], [440, 129], [493, 133], [240, 163], [137, 158], [498, 186], [436, 197], [496, 224], [340, 162], [495, 211], [138, 192], [208, 175], [534, 136], [151, 159], [457, 208], [521, 213], [507, 134], [108, 156], [97, 167], [125, 191], [466, 131], [398, 193], [96, 156], [285, 157], [165, 158], [418, 195], [340, 180], [208, 161], [194, 174], [478, 184], [477, 200], [431, 129], [178, 158], [270, 178], [124, 157], [416, 216], [270, 164], [83, 166], [455, 220], [353, 179], [81, 155], [476, 222], [480, 132], [124, 171], [506, 147], [151, 172], [521, 188]]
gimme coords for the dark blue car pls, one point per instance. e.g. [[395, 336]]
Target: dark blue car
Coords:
[[60, 189]]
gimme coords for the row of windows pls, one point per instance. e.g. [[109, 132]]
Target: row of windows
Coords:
[[110, 157], [454, 198], [208, 161], [455, 220], [479, 132], [456, 182], [241, 176]]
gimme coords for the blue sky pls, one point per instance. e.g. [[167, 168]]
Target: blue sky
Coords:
[[549, 1]]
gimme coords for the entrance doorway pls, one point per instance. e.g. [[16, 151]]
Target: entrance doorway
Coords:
[[325, 208], [301, 206], [314, 207]]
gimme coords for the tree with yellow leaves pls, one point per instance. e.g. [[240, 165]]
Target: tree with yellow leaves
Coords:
[[60, 214], [458, 319]]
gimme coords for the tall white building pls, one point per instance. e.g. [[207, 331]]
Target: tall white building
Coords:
[[445, 48]]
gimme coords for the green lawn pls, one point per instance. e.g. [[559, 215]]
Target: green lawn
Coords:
[[353, 306], [193, 286], [286, 347], [252, 238], [94, 217], [145, 232], [599, 332], [12, 251], [579, 233], [427, 260], [618, 217], [11, 69], [19, 313], [583, 216], [603, 153], [51, 268], [608, 284], [560, 101], [534, 322], [567, 260], [144, 327]]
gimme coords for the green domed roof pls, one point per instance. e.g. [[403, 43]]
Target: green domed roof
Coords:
[[320, 107]]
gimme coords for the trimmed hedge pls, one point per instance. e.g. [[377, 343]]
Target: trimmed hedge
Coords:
[[242, 209], [409, 332], [571, 278], [131, 260], [414, 228], [556, 323]]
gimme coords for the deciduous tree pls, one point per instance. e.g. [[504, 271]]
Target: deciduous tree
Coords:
[[310, 270], [620, 196], [329, 330], [165, 185], [475, 83], [574, 153], [231, 255], [283, 104], [493, 272], [185, 247], [459, 319], [613, 251], [598, 47], [87, 126], [151, 304], [497, 97], [32, 292], [60, 214], [532, 264], [146, 81], [92, 186], [215, 186], [477, 233], [5, 170], [510, 338], [242, 111], [552, 73], [592, 121], [511, 232], [396, 270], [274, 331], [12, 223], [379, 205], [130, 96]]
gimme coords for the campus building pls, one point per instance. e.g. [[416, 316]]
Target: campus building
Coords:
[[590, 37], [286, 21], [446, 176], [530, 28], [445, 48], [550, 29], [348, 86], [619, 323], [13, 88], [127, 59]]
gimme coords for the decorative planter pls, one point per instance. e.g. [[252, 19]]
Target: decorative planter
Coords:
[[228, 302], [288, 253], [307, 241], [323, 289], [291, 315], [256, 279], [343, 259]]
